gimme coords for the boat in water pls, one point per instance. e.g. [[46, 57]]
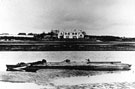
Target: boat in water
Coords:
[[67, 64]]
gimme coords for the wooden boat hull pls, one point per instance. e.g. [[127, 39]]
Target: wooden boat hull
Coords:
[[90, 66]]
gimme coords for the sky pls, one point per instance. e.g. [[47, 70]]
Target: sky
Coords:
[[96, 17]]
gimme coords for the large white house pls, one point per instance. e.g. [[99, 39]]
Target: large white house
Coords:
[[71, 34]]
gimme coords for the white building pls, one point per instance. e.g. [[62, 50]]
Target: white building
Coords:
[[71, 34]]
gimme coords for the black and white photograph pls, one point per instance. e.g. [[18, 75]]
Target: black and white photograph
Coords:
[[67, 44]]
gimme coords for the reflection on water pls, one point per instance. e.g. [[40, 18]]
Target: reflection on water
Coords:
[[7, 85], [13, 57], [123, 76], [68, 77]]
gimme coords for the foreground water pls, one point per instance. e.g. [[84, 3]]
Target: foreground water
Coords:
[[68, 77]]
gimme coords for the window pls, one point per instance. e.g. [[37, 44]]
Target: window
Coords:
[[74, 37], [67, 36], [72, 33], [81, 36]]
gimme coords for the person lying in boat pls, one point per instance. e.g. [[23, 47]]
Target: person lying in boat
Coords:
[[88, 61], [67, 61], [38, 62], [21, 64]]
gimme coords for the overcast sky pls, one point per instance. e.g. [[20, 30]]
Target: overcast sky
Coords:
[[96, 17]]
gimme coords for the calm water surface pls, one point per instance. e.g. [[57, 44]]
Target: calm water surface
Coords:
[[13, 57]]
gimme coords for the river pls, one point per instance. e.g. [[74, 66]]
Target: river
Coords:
[[13, 57]]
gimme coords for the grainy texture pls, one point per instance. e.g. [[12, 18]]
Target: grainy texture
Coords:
[[45, 78]]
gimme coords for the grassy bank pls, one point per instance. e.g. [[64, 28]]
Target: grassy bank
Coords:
[[66, 46]]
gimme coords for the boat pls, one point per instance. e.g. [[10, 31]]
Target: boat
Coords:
[[67, 64]]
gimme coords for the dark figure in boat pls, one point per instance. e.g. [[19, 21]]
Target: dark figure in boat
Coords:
[[67, 61], [38, 62], [88, 61]]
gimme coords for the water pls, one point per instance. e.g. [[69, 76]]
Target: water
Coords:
[[4, 85], [125, 76], [13, 57]]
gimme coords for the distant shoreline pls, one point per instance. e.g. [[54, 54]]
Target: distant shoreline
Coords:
[[66, 46]]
